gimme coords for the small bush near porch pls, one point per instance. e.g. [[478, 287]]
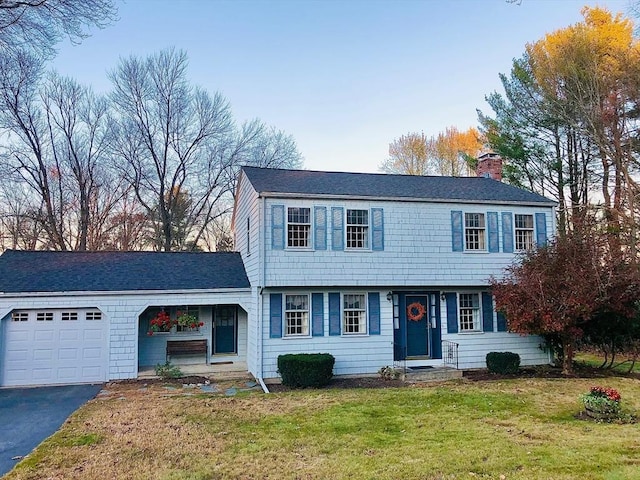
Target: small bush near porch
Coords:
[[525, 428]]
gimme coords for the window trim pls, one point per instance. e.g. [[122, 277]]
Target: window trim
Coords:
[[20, 316], [365, 309], [368, 227], [516, 229], [483, 240], [477, 326], [285, 319], [309, 245]]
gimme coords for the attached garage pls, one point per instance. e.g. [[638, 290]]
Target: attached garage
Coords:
[[48, 347], [79, 317]]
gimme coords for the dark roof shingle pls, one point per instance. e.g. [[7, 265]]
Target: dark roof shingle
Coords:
[[46, 271], [376, 185]]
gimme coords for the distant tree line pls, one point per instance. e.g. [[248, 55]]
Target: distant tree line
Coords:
[[150, 165]]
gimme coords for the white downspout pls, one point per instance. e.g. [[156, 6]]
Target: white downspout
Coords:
[[259, 299]]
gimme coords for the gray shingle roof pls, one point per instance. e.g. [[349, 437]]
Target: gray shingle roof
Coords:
[[45, 271], [375, 185]]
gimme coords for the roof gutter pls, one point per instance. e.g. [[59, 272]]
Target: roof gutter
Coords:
[[548, 203], [103, 293]]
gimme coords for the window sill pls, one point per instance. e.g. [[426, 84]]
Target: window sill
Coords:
[[294, 337], [472, 332], [349, 335], [475, 252]]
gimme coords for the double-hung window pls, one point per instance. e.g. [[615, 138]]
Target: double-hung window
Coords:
[[469, 312], [298, 227], [524, 232], [474, 232], [297, 315], [358, 229], [354, 314]]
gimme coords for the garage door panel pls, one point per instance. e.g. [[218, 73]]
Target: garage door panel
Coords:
[[91, 353], [53, 352], [44, 334], [68, 354], [69, 335], [43, 354], [92, 334], [68, 374], [42, 374]]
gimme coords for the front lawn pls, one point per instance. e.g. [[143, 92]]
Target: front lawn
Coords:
[[504, 429]]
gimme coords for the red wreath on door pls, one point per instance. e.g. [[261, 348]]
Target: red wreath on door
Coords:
[[415, 312]]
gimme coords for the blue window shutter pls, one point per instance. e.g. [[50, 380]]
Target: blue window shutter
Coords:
[[541, 229], [277, 227], [456, 231], [317, 314], [452, 312], [320, 228], [494, 239], [374, 313], [275, 315], [334, 314], [487, 312], [502, 322], [337, 234], [377, 230], [507, 232]]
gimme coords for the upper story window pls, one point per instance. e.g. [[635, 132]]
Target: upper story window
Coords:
[[354, 314], [524, 232], [358, 229], [469, 312], [298, 227], [248, 236], [297, 315], [474, 231]]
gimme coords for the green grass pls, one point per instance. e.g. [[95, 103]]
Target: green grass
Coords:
[[519, 429], [621, 363]]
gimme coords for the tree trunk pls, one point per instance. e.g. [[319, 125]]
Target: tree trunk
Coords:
[[567, 360]]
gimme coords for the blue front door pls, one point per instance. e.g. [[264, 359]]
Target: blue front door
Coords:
[[225, 329], [417, 331], [417, 326]]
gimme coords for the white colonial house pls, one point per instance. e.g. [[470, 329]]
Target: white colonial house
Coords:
[[375, 269]]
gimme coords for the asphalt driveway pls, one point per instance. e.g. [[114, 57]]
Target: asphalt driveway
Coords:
[[29, 415]]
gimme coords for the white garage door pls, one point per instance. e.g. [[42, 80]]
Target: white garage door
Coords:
[[48, 347]]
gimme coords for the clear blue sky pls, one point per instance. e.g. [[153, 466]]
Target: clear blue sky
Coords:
[[343, 77]]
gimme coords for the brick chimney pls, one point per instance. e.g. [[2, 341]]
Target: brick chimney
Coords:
[[490, 166]]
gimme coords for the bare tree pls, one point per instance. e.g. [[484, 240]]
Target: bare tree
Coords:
[[37, 25], [172, 140]]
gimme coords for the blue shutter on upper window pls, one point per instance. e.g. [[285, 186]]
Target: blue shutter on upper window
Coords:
[[494, 240], [275, 315], [502, 322], [487, 312], [377, 229], [507, 232], [456, 231], [334, 313], [277, 227], [452, 312], [374, 313], [317, 314], [337, 228], [541, 229], [320, 228]]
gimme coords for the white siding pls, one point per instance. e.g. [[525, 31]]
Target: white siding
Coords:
[[417, 250], [122, 311], [354, 354], [247, 208]]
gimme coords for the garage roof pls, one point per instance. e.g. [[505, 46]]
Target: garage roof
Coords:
[[45, 271]]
